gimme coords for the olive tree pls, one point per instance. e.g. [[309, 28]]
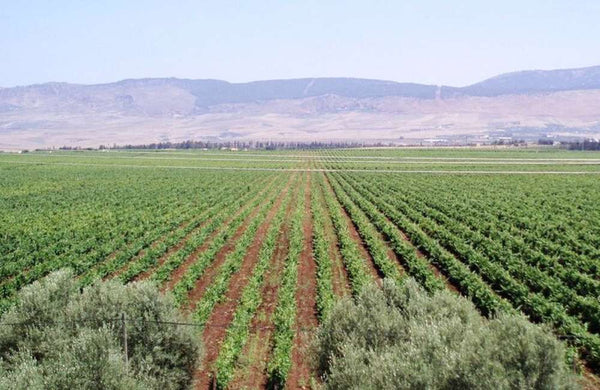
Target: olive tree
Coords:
[[58, 336], [400, 337]]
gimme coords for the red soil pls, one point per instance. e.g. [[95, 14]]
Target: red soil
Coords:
[[213, 269], [341, 281], [356, 238], [183, 268], [436, 271], [223, 312], [306, 304], [253, 361], [588, 380], [146, 274]]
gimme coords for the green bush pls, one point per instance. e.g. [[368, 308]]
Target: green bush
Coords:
[[403, 338], [64, 338]]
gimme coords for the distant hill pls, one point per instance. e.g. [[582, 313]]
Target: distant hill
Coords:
[[214, 92], [209, 92], [527, 104], [536, 81]]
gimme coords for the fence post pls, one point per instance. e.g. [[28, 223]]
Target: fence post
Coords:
[[125, 340]]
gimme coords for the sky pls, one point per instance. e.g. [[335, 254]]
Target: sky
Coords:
[[450, 42]]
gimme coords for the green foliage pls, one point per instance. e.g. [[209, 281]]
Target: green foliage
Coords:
[[375, 245], [63, 338], [469, 283], [225, 233], [284, 317], [533, 292], [217, 223], [239, 329], [511, 243], [94, 220], [403, 338], [355, 264], [325, 296], [214, 202], [216, 292]]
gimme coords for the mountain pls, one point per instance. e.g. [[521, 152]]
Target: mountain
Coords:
[[208, 93], [536, 81], [214, 92], [525, 104]]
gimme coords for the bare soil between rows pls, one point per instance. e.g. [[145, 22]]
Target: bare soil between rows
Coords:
[[306, 304], [436, 271], [373, 270], [178, 274], [251, 373], [341, 280], [146, 274], [222, 314]]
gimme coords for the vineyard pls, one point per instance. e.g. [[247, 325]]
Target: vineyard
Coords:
[[258, 245]]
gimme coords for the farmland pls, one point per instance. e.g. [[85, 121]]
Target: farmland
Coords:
[[257, 246]]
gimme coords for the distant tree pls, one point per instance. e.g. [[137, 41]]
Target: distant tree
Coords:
[[58, 337], [403, 338], [545, 141]]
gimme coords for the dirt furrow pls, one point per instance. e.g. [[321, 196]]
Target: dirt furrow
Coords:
[[377, 275], [306, 294], [251, 373], [223, 313], [392, 255], [436, 271], [146, 274], [341, 281], [142, 252], [183, 268], [211, 271]]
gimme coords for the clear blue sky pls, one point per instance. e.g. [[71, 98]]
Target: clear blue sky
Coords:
[[450, 42]]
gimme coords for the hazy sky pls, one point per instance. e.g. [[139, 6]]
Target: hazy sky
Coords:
[[450, 42]]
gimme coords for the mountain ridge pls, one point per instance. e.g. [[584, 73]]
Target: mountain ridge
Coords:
[[528, 81], [518, 82], [527, 104]]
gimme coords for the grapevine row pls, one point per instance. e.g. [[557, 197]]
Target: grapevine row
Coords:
[[534, 305], [284, 316], [196, 270], [468, 282], [353, 261], [239, 329], [325, 296], [215, 292]]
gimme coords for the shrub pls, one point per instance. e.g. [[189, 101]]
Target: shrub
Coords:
[[403, 338], [64, 338]]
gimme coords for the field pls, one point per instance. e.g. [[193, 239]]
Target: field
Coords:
[[258, 245]]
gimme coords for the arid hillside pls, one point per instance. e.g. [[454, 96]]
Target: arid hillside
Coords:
[[523, 105]]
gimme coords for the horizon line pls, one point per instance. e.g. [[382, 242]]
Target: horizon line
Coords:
[[291, 79]]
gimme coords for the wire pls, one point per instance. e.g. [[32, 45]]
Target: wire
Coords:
[[142, 320], [175, 323]]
